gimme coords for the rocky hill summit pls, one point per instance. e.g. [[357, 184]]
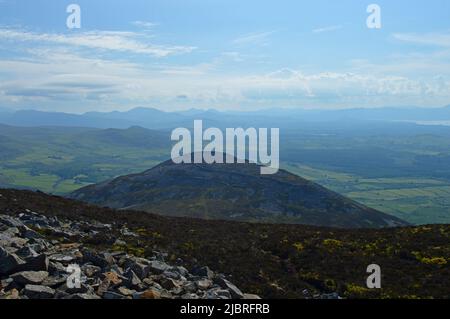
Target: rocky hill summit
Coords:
[[51, 258], [236, 192]]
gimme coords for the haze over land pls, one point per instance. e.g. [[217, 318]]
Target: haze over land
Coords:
[[373, 156]]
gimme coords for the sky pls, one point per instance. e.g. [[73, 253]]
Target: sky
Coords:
[[223, 54]]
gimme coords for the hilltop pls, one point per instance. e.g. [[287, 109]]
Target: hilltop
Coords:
[[233, 192]]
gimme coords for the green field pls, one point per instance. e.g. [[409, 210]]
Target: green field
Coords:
[[59, 161], [404, 175], [417, 200]]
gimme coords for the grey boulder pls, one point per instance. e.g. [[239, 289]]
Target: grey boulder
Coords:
[[8, 262], [38, 292], [29, 277]]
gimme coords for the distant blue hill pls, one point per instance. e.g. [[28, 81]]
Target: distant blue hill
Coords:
[[156, 119], [31, 118]]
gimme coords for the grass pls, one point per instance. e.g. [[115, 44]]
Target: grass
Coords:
[[417, 200], [63, 169], [22, 178]]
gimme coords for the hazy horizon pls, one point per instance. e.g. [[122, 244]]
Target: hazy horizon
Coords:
[[225, 110]]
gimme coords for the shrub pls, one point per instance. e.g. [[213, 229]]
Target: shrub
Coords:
[[434, 261], [299, 246], [353, 290], [332, 243]]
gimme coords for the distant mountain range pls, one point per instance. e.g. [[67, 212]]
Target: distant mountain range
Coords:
[[233, 192], [157, 119]]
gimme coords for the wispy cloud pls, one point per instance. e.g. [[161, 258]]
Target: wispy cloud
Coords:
[[436, 39], [144, 24], [62, 78], [48, 73], [119, 41], [327, 29], [258, 38], [55, 75]]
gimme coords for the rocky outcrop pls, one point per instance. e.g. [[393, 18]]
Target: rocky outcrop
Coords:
[[48, 258]]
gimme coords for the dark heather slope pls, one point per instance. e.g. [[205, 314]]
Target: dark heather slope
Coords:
[[233, 192], [271, 260]]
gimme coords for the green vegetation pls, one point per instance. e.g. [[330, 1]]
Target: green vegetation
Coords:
[[273, 260], [417, 200], [404, 172], [59, 161]]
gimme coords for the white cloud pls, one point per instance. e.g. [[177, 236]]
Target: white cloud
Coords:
[[412, 65], [328, 29], [259, 38], [66, 79], [201, 69], [54, 76], [144, 24], [435, 39], [233, 55], [103, 40]]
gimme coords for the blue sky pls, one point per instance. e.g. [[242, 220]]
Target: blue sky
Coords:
[[223, 54]]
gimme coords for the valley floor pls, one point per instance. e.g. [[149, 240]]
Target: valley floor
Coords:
[[417, 200]]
